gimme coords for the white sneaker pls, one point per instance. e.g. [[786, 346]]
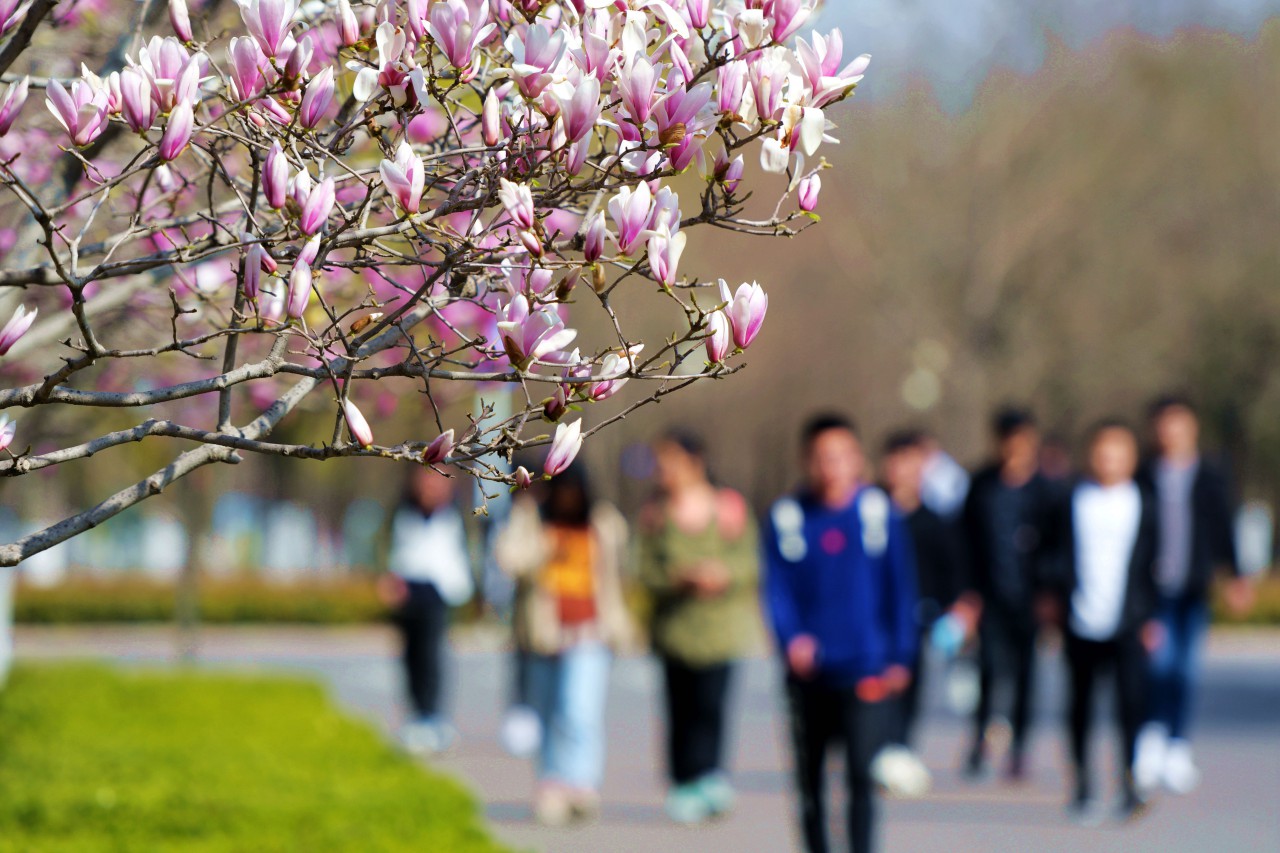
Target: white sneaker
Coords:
[[900, 772], [1152, 749], [1180, 773], [521, 733]]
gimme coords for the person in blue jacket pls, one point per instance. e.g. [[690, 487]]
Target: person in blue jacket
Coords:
[[840, 596]]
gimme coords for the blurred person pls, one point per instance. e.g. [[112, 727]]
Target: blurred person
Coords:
[[1196, 539], [565, 552], [429, 572], [944, 481], [940, 574], [1106, 561], [1006, 525], [840, 599], [1056, 464], [699, 561]]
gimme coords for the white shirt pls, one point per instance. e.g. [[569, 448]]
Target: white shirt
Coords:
[[433, 549], [1106, 528]]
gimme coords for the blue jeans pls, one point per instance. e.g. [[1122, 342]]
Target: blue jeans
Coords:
[[568, 692], [1176, 662]]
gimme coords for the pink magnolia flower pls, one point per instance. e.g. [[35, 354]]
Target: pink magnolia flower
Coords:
[[581, 110], [82, 113], [174, 74], [300, 279], [317, 99], [615, 366], [637, 84], [788, 16], [177, 133], [731, 89], [11, 14], [439, 449], [808, 192], [768, 72], [180, 19], [733, 174], [299, 59], [8, 429], [491, 119], [523, 478], [316, 208], [136, 104], [554, 407], [536, 57], [719, 337], [268, 22], [16, 327], [530, 335], [631, 211], [665, 249], [746, 312], [246, 69], [699, 12], [14, 98], [565, 445], [517, 200], [359, 427], [458, 26], [820, 63], [404, 178], [275, 176], [593, 239], [348, 25]]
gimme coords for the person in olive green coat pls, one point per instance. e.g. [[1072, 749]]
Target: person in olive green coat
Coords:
[[699, 561]]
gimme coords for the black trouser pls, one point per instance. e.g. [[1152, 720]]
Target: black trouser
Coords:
[[904, 724], [1088, 662], [697, 697], [1006, 655], [821, 716], [422, 620]]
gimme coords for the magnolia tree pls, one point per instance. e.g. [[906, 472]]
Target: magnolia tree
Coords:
[[276, 203]]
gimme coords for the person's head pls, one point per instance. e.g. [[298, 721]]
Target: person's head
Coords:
[[566, 497], [1017, 439], [902, 466], [1113, 453], [680, 461], [428, 489], [833, 457], [1175, 426]]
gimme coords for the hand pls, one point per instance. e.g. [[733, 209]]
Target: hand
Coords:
[[708, 579], [1238, 595], [1152, 636], [896, 679], [392, 590], [802, 656], [1048, 610]]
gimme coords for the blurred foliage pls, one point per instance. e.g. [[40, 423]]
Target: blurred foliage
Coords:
[[95, 760], [237, 599]]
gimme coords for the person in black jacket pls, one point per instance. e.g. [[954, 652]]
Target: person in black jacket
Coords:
[[1196, 540], [1106, 554], [941, 576], [1006, 521]]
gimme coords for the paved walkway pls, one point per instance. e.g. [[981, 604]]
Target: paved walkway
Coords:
[[1237, 809]]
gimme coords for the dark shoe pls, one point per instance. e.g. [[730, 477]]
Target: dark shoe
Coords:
[[1133, 806], [1084, 811], [975, 766]]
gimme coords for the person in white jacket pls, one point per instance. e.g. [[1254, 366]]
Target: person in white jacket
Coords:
[[429, 573]]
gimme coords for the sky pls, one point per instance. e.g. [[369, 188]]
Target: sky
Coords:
[[955, 44]]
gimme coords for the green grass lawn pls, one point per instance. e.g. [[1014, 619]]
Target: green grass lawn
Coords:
[[93, 759]]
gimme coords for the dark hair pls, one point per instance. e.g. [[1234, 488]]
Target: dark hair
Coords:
[[573, 478], [1011, 420], [825, 422], [1162, 404], [904, 439], [1107, 425], [688, 441]]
